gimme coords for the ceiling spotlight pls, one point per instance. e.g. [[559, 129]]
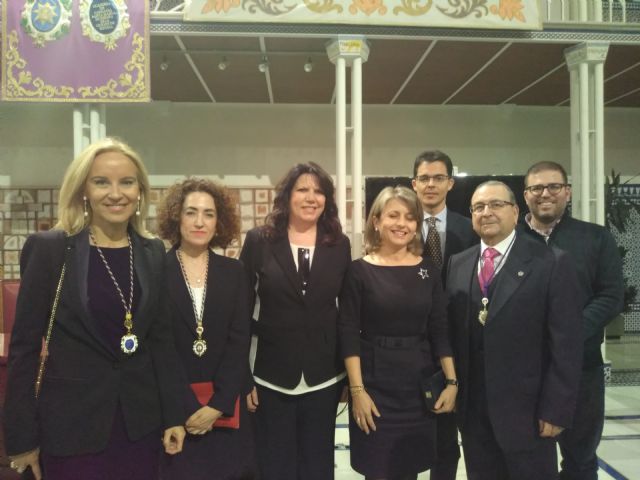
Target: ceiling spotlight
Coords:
[[164, 66], [263, 66], [308, 67], [224, 63]]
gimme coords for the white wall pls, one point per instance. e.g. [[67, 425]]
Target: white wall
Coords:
[[265, 140]]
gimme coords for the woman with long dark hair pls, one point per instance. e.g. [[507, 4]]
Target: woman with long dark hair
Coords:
[[295, 263]]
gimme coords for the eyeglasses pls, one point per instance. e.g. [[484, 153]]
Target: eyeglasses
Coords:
[[424, 179], [553, 188], [493, 205]]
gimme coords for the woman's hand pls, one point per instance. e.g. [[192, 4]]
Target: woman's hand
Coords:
[[252, 400], [447, 400], [173, 439], [202, 421], [27, 460], [363, 410]]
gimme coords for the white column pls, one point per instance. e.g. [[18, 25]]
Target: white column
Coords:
[[356, 156], [585, 62], [341, 140], [585, 173], [349, 51], [81, 128], [598, 105]]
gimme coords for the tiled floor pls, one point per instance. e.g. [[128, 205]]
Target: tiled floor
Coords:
[[619, 450]]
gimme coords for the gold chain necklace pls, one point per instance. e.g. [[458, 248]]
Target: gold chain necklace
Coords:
[[199, 345], [128, 342]]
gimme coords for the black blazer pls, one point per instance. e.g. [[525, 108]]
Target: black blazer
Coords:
[[296, 332], [226, 330], [85, 380], [532, 340], [459, 236]]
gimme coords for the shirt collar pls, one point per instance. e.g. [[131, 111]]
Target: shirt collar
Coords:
[[546, 232], [501, 247], [441, 216]]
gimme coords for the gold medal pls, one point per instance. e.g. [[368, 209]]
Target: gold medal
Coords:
[[199, 347], [484, 313], [129, 343], [200, 344]]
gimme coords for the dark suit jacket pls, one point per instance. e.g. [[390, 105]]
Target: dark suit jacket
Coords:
[[296, 332], [459, 236], [532, 352], [600, 281], [85, 380], [226, 330]]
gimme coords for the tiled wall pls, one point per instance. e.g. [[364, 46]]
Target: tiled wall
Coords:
[[27, 210], [629, 240]]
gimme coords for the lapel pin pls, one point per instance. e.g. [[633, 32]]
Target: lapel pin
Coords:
[[423, 273], [520, 273]]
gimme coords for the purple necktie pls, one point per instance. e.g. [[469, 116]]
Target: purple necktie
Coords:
[[487, 271]]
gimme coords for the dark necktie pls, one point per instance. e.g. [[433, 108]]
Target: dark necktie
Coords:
[[432, 245], [304, 270]]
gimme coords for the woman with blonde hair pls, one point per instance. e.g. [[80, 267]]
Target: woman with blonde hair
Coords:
[[392, 324], [112, 382]]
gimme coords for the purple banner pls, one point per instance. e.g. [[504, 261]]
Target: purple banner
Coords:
[[75, 51]]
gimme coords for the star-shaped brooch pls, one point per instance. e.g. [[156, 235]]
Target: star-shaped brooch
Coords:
[[423, 273]]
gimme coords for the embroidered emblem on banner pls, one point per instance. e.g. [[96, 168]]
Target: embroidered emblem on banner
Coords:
[[46, 20], [104, 21]]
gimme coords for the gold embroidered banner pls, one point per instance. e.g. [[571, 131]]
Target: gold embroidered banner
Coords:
[[503, 14], [75, 51]]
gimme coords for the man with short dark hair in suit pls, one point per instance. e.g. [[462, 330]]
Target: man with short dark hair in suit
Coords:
[[515, 311], [452, 233], [599, 269]]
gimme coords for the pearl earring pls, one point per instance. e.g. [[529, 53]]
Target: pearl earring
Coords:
[[138, 207], [86, 208]]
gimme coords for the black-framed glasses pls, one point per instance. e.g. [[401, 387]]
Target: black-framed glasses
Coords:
[[437, 179], [552, 188], [493, 205]]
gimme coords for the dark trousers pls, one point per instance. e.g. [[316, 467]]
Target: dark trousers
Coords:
[[486, 460], [447, 449], [579, 443], [295, 434]]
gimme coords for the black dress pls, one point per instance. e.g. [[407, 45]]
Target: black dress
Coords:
[[394, 319], [222, 453]]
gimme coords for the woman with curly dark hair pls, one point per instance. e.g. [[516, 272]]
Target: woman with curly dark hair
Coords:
[[295, 263], [208, 302]]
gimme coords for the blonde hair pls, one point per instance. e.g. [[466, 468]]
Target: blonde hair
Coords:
[[71, 217], [410, 200]]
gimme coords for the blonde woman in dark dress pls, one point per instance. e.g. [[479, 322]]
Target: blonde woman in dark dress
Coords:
[[110, 390], [392, 324]]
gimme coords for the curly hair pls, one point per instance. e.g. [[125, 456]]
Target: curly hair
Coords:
[[170, 211], [277, 222]]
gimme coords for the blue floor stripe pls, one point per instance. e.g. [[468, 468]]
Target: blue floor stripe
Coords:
[[622, 417], [610, 470], [632, 436]]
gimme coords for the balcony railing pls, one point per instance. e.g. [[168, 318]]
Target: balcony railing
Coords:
[[613, 12]]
